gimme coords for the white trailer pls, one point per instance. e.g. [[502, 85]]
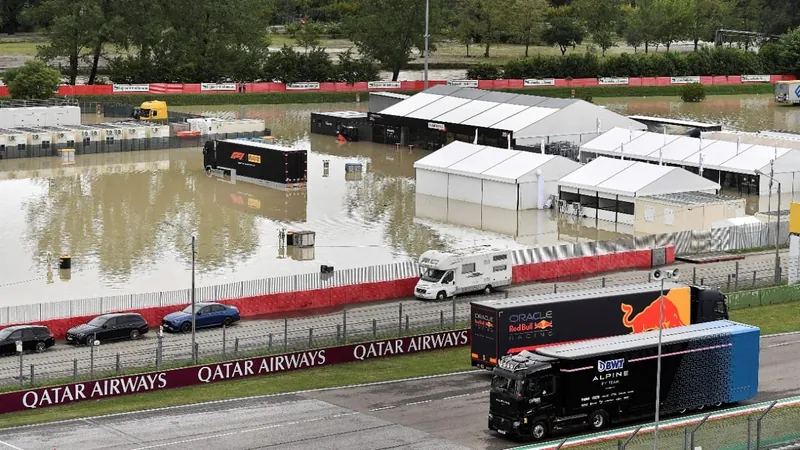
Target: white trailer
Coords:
[[787, 92], [472, 269]]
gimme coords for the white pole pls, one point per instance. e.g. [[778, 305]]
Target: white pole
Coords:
[[701, 164], [598, 125], [542, 146], [622, 152], [658, 364], [509, 141], [660, 159], [427, 38], [738, 144], [476, 137]]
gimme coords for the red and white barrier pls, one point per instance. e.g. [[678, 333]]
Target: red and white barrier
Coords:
[[378, 86], [250, 307]]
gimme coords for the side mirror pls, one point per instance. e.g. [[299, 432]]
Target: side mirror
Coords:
[[104, 326], [199, 313]]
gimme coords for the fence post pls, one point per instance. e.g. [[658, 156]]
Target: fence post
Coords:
[[374, 328], [736, 278], [33, 380], [91, 359], [555, 288], [159, 349], [344, 325], [686, 438], [754, 278], [236, 345], [406, 323], [694, 275], [197, 351], [21, 366], [338, 332], [749, 427], [224, 339], [310, 336], [758, 422], [75, 369], [702, 281], [622, 444], [269, 344], [691, 436], [400, 320], [728, 287], [454, 313], [603, 282], [649, 277], [285, 334], [441, 319], [119, 366]]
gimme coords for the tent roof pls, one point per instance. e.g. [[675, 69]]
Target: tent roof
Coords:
[[634, 178]]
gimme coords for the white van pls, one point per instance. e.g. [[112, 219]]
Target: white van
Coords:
[[445, 274]]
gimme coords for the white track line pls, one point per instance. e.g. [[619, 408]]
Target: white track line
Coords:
[[14, 447]]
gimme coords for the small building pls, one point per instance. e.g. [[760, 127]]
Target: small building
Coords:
[[733, 165], [684, 211], [491, 176], [443, 113], [607, 188], [352, 125]]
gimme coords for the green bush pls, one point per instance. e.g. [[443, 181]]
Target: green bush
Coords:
[[32, 81], [334, 30], [484, 71], [693, 92]]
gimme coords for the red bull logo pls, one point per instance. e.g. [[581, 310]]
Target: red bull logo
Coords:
[[647, 320], [531, 326]]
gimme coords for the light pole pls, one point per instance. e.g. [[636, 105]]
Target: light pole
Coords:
[[427, 37], [662, 275], [194, 305], [777, 229]]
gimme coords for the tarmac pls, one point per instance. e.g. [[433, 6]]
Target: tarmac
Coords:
[[445, 412], [360, 321]]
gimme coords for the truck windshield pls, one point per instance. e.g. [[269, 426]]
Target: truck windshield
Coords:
[[432, 275], [507, 385]]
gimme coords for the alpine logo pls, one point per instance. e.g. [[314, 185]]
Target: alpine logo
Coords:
[[614, 364], [237, 155], [797, 91]]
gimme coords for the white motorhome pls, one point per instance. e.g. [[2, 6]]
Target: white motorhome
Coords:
[[445, 274]]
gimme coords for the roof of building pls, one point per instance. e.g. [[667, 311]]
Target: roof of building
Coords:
[[634, 178], [616, 344], [690, 198], [496, 164], [496, 110], [724, 155], [343, 114], [389, 94]]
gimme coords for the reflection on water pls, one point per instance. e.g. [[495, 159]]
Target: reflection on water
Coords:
[[127, 219]]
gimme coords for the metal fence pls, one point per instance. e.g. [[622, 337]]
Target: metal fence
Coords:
[[767, 426], [733, 238]]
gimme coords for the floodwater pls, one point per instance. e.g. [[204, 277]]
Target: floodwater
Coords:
[[126, 219]]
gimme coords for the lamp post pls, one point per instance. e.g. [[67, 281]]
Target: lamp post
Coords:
[[662, 275], [427, 37], [777, 228]]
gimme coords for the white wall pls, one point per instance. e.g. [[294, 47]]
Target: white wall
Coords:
[[794, 254], [500, 195], [431, 183], [529, 195], [466, 189]]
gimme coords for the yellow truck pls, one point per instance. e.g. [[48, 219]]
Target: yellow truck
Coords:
[[154, 111]]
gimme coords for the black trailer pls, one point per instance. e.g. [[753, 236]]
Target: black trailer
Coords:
[[594, 384], [352, 125], [255, 161], [509, 326]]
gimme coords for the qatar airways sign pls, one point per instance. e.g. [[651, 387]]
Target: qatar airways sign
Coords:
[[210, 373]]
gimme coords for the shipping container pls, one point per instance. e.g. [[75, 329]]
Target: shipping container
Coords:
[[12, 143], [352, 125], [256, 162], [61, 136]]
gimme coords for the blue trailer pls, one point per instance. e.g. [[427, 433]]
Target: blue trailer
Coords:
[[592, 384]]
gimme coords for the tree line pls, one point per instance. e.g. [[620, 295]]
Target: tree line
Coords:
[[186, 41]]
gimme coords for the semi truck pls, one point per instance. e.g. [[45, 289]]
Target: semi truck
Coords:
[[471, 269], [509, 326], [152, 111], [255, 161], [594, 384], [787, 92]]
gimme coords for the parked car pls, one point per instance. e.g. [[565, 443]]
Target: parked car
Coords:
[[208, 315], [109, 327], [35, 338]]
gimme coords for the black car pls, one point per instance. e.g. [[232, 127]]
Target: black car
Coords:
[[35, 338], [109, 327]]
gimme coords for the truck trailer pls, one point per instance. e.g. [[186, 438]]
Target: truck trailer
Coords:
[[471, 269], [256, 162], [594, 384], [509, 326], [787, 92]]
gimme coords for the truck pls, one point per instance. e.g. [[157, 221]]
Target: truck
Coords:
[[446, 274], [508, 326], [594, 384], [152, 111], [256, 161]]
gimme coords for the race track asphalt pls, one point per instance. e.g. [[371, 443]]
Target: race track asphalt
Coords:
[[447, 412], [361, 322]]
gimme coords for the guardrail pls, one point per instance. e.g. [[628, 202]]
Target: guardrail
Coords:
[[763, 426], [377, 86]]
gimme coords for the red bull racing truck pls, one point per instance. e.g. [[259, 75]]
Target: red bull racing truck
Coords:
[[509, 326], [602, 382]]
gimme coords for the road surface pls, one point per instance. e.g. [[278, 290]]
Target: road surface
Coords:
[[361, 322], [447, 413]]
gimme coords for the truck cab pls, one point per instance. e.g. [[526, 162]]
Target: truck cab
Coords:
[[473, 269], [155, 110], [708, 304]]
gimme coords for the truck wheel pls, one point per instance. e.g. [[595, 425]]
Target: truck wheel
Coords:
[[488, 289], [441, 295], [539, 431], [598, 419]]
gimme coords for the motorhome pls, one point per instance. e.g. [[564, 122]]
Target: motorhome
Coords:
[[445, 274]]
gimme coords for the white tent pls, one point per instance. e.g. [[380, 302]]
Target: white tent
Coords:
[[491, 176]]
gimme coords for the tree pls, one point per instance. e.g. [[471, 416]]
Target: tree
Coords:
[[602, 18], [673, 19], [631, 28], [32, 81], [309, 35], [563, 29], [528, 20], [389, 30], [465, 29], [706, 18], [491, 20], [10, 11]]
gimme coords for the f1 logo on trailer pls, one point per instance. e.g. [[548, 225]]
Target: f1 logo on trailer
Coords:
[[237, 155], [614, 364]]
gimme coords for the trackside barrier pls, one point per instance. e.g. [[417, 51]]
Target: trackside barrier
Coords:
[[759, 426], [225, 371], [324, 295], [378, 86], [765, 296]]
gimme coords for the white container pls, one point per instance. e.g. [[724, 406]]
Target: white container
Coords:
[[88, 134], [13, 139], [157, 131]]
